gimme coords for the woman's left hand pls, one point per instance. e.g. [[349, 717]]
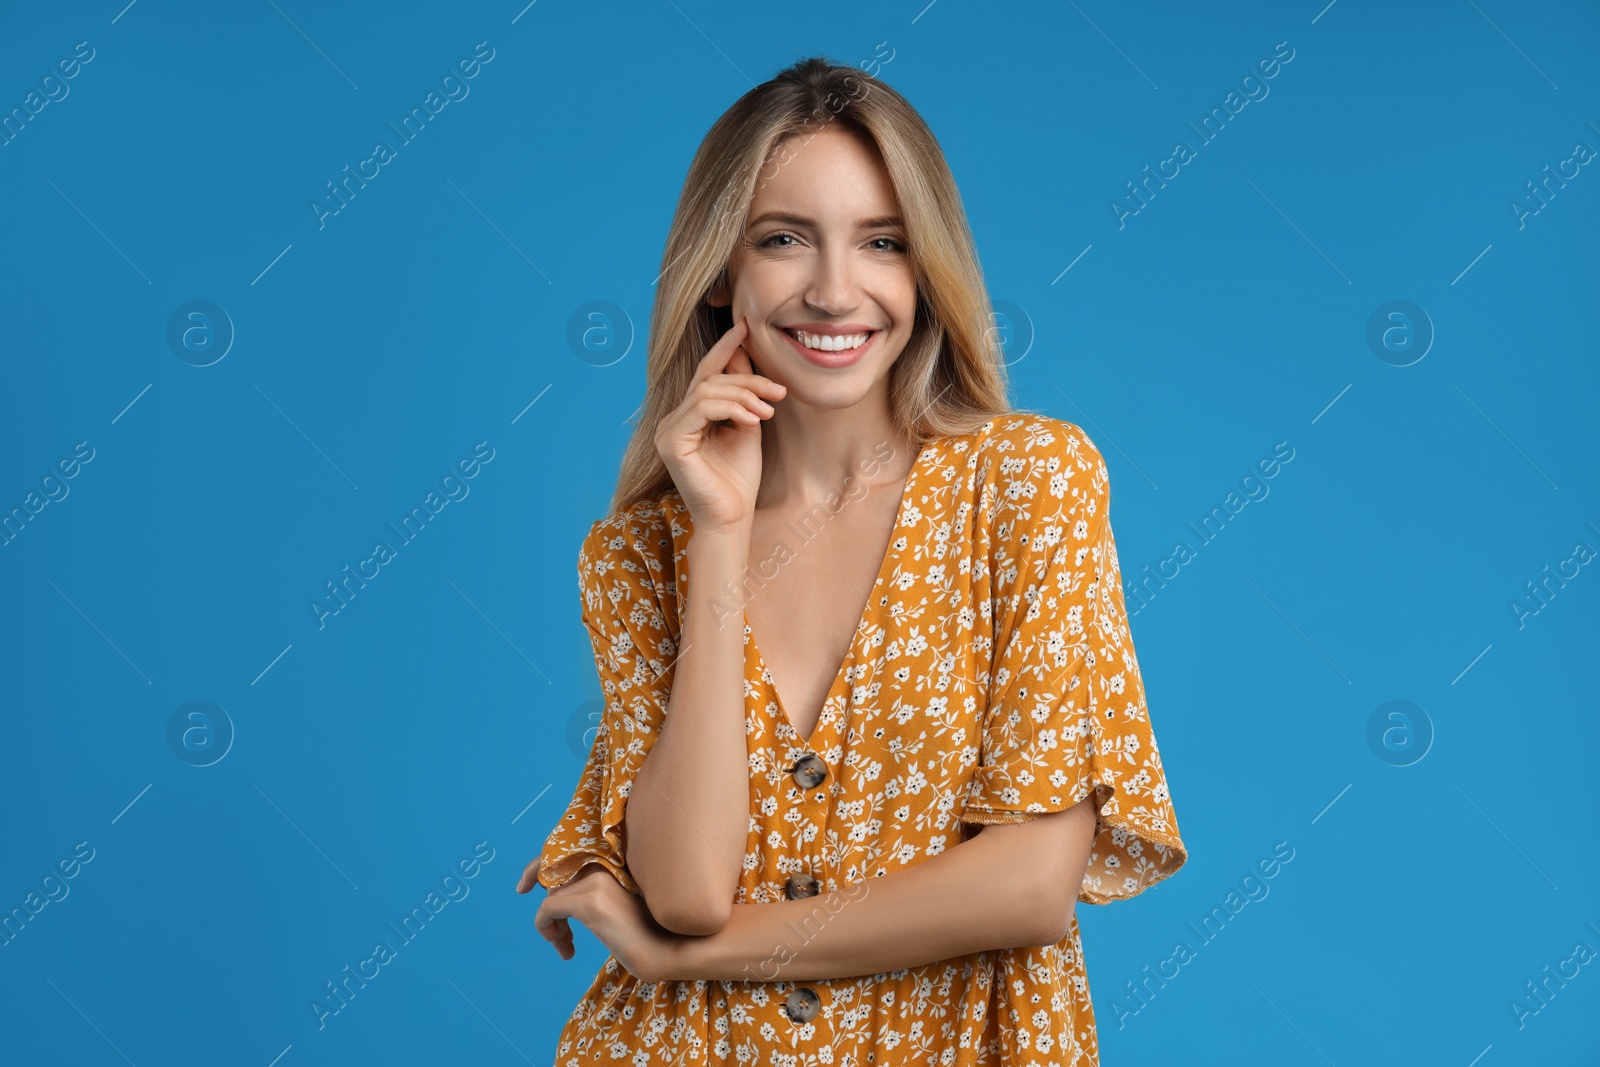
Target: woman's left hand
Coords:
[[621, 920]]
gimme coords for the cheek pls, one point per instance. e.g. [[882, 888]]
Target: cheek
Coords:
[[749, 299], [762, 290], [900, 298]]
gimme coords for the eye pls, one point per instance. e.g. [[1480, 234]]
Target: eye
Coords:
[[767, 243], [899, 246]]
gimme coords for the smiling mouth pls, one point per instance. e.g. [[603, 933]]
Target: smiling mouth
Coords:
[[831, 343]]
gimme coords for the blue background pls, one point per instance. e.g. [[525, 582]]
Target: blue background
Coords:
[[446, 704]]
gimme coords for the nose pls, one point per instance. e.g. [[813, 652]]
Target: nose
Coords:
[[833, 290]]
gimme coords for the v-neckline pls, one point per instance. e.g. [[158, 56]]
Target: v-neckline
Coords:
[[866, 611]]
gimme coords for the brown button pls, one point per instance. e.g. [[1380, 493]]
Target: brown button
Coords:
[[800, 886], [803, 1005], [810, 771]]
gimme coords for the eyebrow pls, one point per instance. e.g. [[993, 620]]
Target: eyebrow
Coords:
[[893, 221]]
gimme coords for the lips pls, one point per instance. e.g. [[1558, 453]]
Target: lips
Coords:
[[831, 359], [829, 340]]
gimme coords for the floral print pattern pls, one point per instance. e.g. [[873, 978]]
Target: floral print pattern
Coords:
[[992, 678]]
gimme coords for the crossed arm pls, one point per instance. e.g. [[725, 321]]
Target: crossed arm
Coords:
[[1013, 885]]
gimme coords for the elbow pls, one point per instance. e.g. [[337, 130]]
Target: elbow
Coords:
[[691, 918], [1050, 907], [1052, 926], [682, 903]]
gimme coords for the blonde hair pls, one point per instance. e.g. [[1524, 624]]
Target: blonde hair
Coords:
[[950, 379]]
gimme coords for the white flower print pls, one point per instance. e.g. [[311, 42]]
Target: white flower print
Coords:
[[993, 679]]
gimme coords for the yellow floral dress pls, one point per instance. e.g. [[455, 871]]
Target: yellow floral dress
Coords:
[[992, 678]]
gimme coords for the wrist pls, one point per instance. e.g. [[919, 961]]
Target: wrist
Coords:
[[721, 536], [676, 959]]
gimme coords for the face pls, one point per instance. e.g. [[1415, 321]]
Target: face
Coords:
[[823, 272]]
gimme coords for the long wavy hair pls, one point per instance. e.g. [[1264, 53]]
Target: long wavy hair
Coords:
[[950, 379]]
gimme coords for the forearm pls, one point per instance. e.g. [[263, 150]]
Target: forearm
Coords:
[[974, 897], [688, 812]]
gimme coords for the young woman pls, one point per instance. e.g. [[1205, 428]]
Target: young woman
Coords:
[[873, 720]]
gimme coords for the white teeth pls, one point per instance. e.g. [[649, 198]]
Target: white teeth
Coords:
[[830, 343]]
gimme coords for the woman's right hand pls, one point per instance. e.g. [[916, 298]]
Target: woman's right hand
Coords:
[[717, 469]]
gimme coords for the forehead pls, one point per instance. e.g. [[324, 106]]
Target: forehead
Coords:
[[831, 174]]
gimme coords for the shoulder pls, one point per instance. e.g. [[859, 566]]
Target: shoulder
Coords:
[[1037, 466], [634, 546], [1020, 435]]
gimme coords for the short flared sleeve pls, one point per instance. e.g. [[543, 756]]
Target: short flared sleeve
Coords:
[[622, 567], [1067, 712]]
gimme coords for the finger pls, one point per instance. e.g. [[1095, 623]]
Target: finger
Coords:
[[559, 931], [760, 383], [550, 920], [718, 355], [686, 428], [564, 947], [745, 395], [530, 876], [551, 917], [740, 362], [714, 409]]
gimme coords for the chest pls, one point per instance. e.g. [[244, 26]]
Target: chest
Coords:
[[809, 581]]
